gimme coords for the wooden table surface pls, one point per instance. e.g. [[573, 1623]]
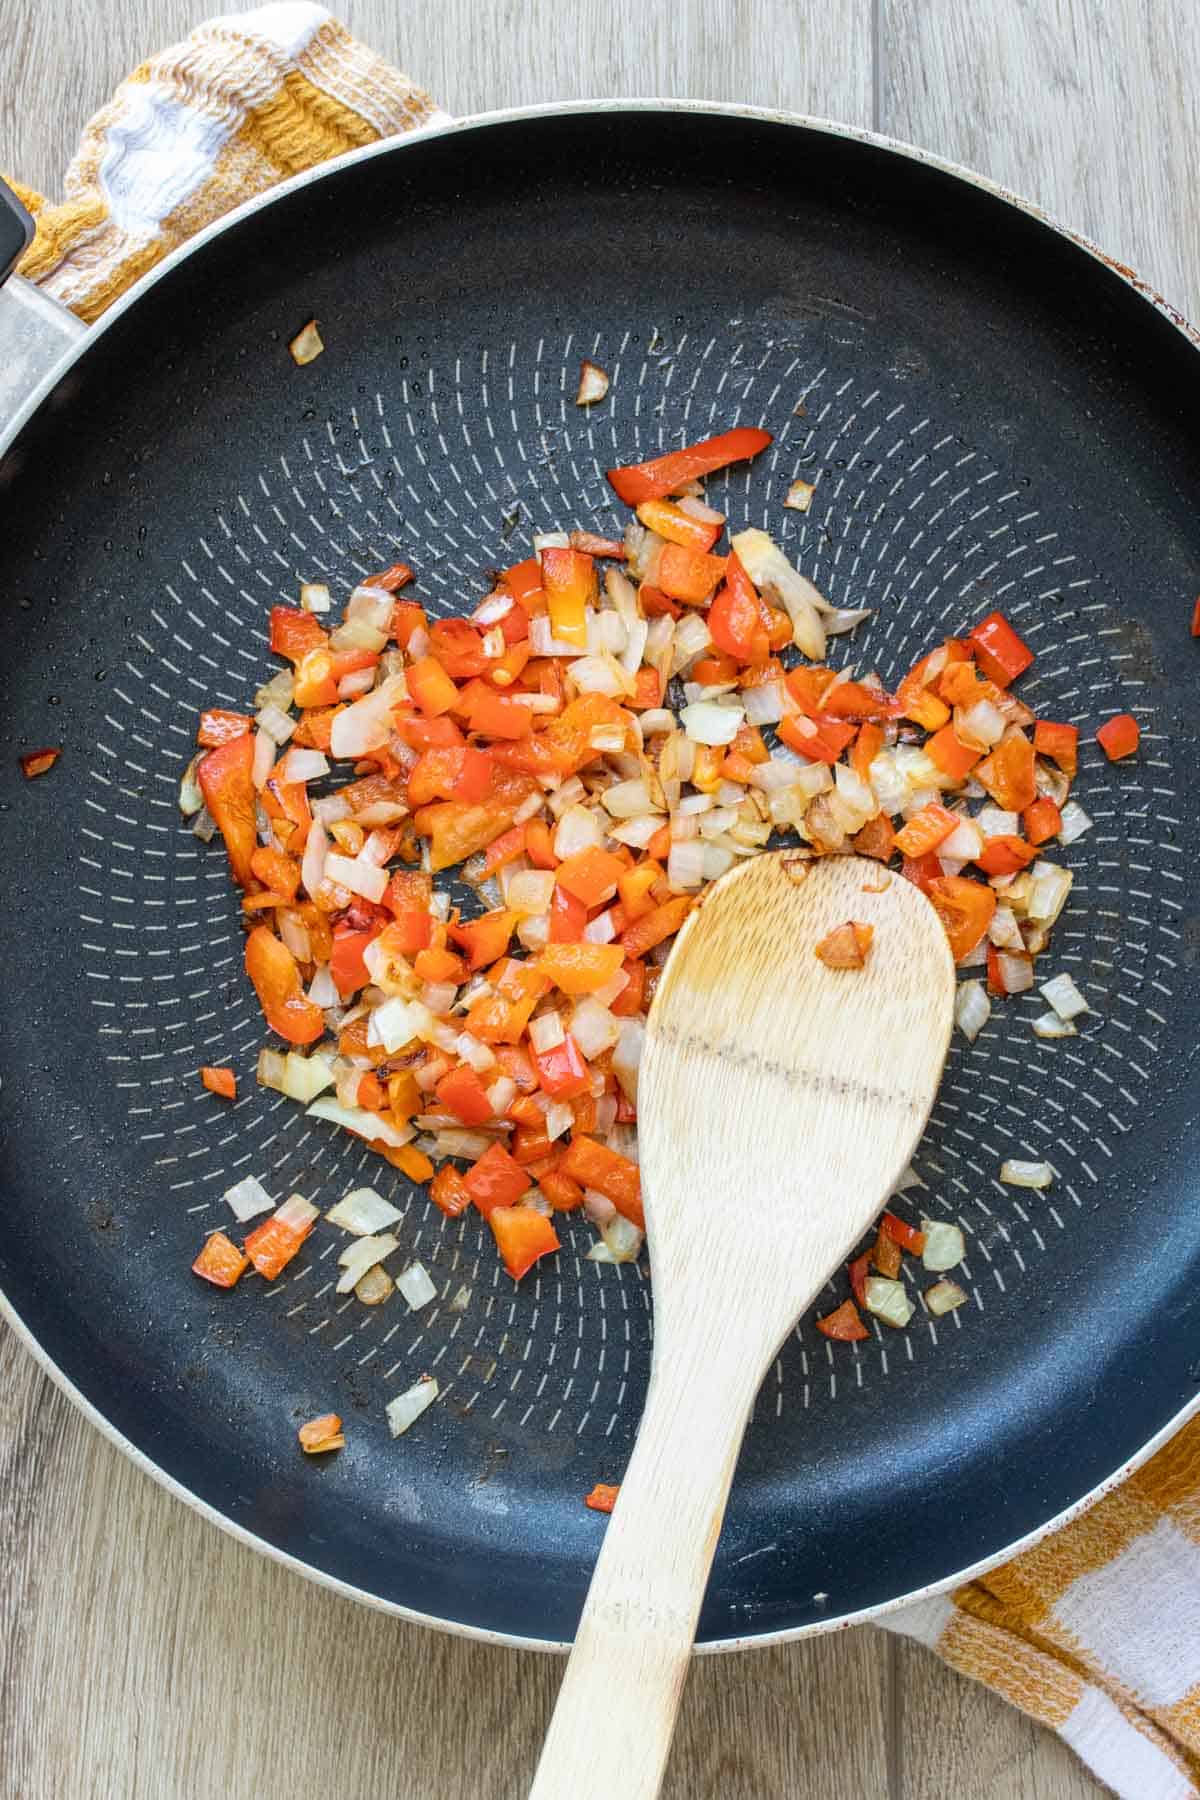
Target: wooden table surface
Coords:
[[143, 1653]]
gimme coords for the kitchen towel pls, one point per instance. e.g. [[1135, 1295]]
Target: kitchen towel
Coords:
[[1096, 1630]]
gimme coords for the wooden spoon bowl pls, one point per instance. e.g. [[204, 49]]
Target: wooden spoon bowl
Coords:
[[779, 1101]]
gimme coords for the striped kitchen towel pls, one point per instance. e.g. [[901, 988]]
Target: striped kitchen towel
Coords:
[[247, 100], [1095, 1631]]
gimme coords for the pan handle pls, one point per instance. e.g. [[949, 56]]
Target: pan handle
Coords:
[[35, 331]]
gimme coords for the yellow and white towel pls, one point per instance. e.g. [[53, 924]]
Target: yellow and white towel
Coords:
[[1096, 1631], [249, 99]]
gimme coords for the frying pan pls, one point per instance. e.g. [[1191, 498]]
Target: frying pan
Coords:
[[994, 416]]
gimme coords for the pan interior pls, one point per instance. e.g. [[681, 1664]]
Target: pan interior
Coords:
[[992, 419]]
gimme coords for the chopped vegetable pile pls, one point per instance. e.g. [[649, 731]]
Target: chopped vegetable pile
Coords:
[[610, 728]]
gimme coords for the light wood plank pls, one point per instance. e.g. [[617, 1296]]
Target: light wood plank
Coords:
[[144, 1654], [1089, 110]]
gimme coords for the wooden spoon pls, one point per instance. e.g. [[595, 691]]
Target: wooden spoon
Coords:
[[779, 1102]]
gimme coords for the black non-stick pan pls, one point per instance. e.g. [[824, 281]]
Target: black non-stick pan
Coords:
[[994, 417]]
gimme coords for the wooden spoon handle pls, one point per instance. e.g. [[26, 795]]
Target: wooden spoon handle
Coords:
[[615, 1714]]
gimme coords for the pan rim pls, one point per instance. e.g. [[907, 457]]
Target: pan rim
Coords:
[[10, 431]]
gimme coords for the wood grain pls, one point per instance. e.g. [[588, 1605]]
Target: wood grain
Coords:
[[753, 1046], [142, 1653]]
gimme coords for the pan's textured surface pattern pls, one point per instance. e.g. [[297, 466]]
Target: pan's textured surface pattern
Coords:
[[917, 349]]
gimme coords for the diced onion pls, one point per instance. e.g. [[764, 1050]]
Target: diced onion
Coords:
[[994, 822], [191, 800], [579, 828], [372, 1126], [593, 383], [546, 1032], [416, 1286], [297, 1213], [627, 1057], [945, 1245], [1049, 887], [593, 1027], [530, 891], [1016, 972], [600, 930], [395, 1022], [769, 569], [972, 1008], [1026, 1174], [363, 878], [367, 725], [943, 1297], [1074, 823], [685, 865], [627, 799], [711, 721], [304, 1077], [964, 843], [264, 759], [501, 1094], [1064, 997], [315, 597], [407, 1407], [621, 1241], [1048, 1025], [361, 1256], [306, 346], [550, 540], [248, 1197], [888, 1300], [799, 496], [363, 1212], [763, 704]]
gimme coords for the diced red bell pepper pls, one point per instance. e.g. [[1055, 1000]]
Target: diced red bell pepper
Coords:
[[276, 977], [562, 1071], [524, 583], [569, 582], [737, 621], [1010, 773], [407, 617], [667, 474], [496, 1179], [1042, 820], [278, 872], [591, 875], [430, 687], [669, 521], [628, 1003], [396, 576], [843, 1324], [594, 1165], [1058, 742], [458, 647], [218, 727], [611, 548], [407, 897], [1196, 619], [220, 1261], [419, 733], [824, 743], [580, 968], [954, 758], [539, 845], [688, 575], [568, 916], [1117, 737], [500, 715], [460, 772], [857, 1271], [904, 1234], [922, 871], [1000, 653], [226, 781], [602, 1498], [1005, 855], [926, 830], [316, 683], [878, 839], [449, 1191], [273, 1244], [656, 604], [220, 1081], [484, 939], [462, 1093], [522, 1236], [295, 633], [346, 963], [657, 926], [965, 908], [563, 1194]]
